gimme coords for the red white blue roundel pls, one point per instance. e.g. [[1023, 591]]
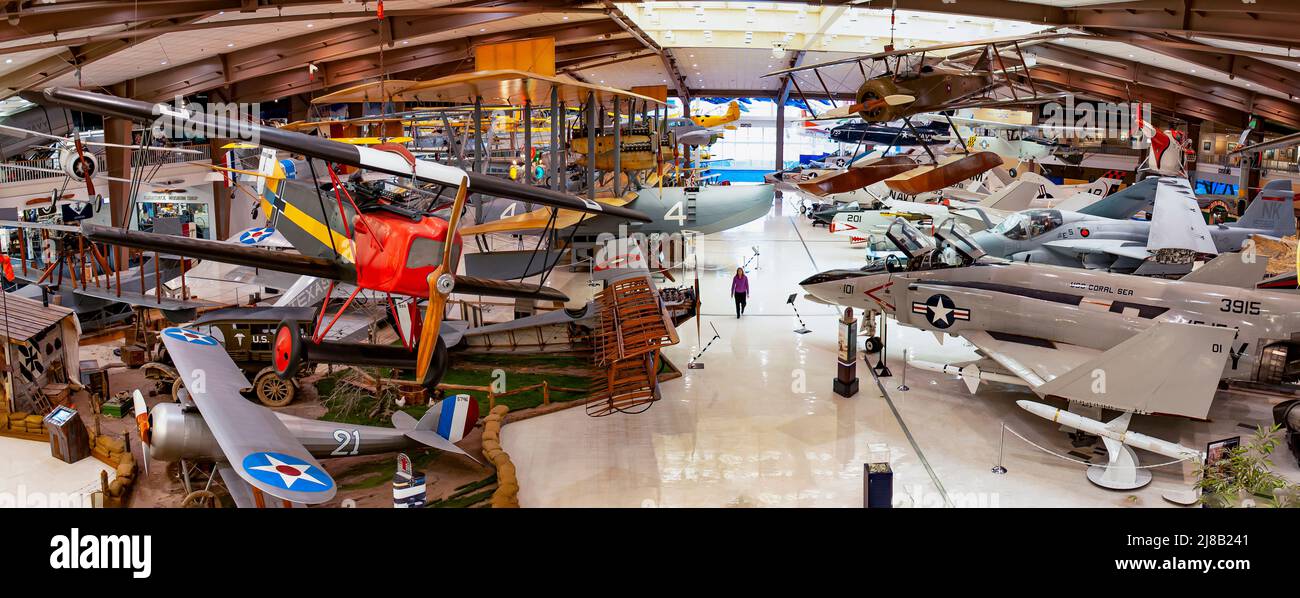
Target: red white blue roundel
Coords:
[[940, 311], [254, 236], [190, 336], [286, 471]]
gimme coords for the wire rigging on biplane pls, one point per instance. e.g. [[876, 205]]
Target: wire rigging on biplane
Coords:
[[374, 245]]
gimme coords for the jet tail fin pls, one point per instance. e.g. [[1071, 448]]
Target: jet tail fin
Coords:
[[1170, 368], [1273, 210]]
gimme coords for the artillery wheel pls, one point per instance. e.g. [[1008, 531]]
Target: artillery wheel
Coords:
[[200, 499], [177, 385], [272, 390]]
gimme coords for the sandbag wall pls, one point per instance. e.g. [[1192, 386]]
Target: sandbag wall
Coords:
[[507, 492]]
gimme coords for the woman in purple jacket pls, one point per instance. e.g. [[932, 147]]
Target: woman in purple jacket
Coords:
[[739, 290]]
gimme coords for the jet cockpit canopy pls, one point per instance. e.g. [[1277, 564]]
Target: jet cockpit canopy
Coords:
[[909, 240], [953, 234], [1028, 224]]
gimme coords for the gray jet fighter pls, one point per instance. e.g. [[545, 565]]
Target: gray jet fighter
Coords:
[[1081, 239], [1157, 346]]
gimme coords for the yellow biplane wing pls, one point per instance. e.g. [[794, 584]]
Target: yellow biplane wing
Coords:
[[371, 140]]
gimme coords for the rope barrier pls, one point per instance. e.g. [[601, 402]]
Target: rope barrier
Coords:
[[1079, 461]]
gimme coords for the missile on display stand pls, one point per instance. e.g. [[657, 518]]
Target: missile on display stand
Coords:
[[1116, 430]]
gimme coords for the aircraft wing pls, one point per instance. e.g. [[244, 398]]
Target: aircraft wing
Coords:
[[1177, 222], [1077, 202], [135, 298], [528, 221], [1170, 368], [257, 445], [221, 251], [1021, 39], [242, 493], [1041, 98], [1115, 247], [261, 236], [538, 219], [1035, 361]]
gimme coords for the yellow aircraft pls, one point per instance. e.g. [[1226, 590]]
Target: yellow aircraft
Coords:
[[731, 115]]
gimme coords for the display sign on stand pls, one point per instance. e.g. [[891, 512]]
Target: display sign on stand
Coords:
[[846, 377]]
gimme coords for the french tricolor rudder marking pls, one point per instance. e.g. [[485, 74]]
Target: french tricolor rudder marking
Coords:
[[457, 416]]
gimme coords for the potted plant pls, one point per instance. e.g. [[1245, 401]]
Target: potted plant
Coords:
[[1243, 476]]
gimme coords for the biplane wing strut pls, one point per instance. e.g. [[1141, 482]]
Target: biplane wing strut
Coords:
[[332, 151]]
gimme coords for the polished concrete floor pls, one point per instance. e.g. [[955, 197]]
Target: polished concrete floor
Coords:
[[760, 426], [30, 476]]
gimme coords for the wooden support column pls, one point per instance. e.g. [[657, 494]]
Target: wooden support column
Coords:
[[221, 194], [118, 165]]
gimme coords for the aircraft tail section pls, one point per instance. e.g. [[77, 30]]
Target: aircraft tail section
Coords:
[[1014, 197], [442, 425], [452, 418], [1273, 210], [733, 111], [1170, 368], [1236, 269], [1124, 204]]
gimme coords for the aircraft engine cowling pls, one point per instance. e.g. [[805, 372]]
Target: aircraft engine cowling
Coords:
[[875, 89], [177, 434], [78, 166]]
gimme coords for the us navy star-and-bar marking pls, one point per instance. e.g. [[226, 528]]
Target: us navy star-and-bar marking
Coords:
[[940, 311]]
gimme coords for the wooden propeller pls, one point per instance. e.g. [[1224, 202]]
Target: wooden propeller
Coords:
[[441, 283]]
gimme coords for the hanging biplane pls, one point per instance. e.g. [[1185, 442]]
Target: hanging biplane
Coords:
[[77, 163], [402, 251], [898, 84]]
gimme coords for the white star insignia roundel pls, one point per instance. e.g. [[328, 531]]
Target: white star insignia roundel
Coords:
[[254, 236], [286, 472], [190, 336], [940, 311]]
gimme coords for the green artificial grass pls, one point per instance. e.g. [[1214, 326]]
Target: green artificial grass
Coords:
[[475, 376]]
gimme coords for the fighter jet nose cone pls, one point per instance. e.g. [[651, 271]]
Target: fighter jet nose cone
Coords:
[[811, 280]]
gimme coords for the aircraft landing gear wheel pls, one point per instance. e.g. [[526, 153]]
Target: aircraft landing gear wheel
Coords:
[[272, 390], [437, 367], [200, 499], [288, 351], [177, 386], [872, 346]]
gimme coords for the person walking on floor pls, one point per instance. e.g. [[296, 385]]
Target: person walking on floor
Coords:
[[740, 290]]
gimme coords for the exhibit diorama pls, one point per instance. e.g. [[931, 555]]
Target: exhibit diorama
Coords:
[[495, 254]]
